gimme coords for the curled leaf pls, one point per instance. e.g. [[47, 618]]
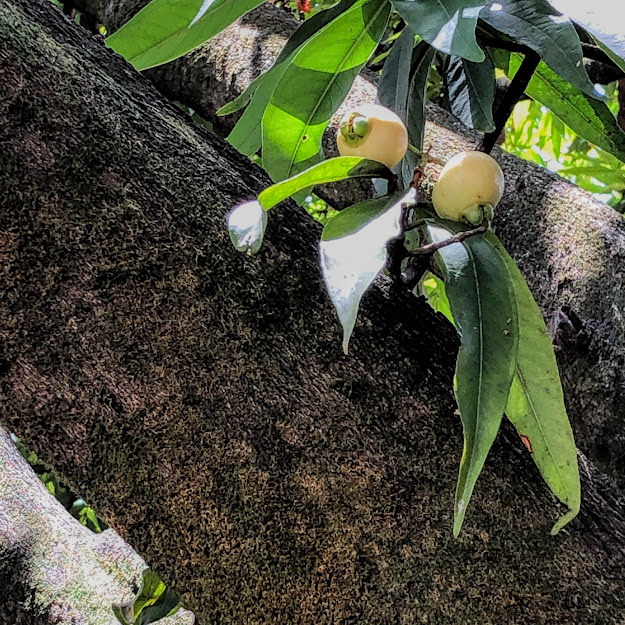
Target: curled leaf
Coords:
[[246, 225]]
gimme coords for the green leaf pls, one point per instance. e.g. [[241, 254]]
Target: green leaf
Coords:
[[395, 79], [534, 23], [243, 99], [403, 89], [422, 57], [331, 170], [246, 135], [598, 17], [314, 85], [481, 296], [433, 288], [448, 25], [352, 251], [586, 116], [471, 91], [166, 604], [166, 29], [536, 403]]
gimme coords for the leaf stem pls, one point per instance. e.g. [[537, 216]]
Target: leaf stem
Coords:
[[513, 94], [430, 248]]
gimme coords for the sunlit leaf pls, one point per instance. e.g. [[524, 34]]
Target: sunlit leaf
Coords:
[[471, 91], [448, 25], [481, 296], [331, 170], [535, 24], [433, 288], [536, 403], [598, 17], [353, 251], [586, 116], [166, 29], [246, 135], [314, 85]]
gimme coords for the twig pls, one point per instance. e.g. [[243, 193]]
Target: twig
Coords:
[[511, 97], [430, 248]]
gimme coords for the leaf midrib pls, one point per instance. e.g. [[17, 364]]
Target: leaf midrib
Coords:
[[525, 387], [334, 74]]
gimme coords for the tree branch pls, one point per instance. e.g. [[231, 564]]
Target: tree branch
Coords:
[[513, 94], [431, 248]]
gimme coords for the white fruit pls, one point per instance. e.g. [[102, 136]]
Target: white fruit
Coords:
[[374, 132], [469, 187]]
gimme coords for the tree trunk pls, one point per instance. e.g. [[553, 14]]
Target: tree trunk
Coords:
[[52, 569], [199, 398], [570, 247]]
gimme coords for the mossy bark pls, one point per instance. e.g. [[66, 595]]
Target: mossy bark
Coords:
[[199, 399], [570, 247]]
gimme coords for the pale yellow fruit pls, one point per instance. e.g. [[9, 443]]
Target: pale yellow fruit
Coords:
[[468, 188], [374, 132]]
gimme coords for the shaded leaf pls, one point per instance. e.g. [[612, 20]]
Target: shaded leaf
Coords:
[[166, 29], [422, 57], [535, 24], [395, 79], [352, 251], [481, 296], [471, 91], [448, 25], [166, 604], [403, 89], [589, 118], [598, 17], [331, 170], [315, 83], [536, 403]]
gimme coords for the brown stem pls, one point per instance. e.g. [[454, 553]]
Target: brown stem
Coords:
[[430, 248], [513, 94]]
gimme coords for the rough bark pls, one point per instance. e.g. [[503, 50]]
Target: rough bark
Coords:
[[200, 400], [570, 247], [52, 569]]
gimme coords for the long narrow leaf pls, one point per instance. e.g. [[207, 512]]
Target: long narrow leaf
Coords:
[[246, 135], [353, 251], [535, 24], [331, 170], [471, 91], [166, 29], [483, 305], [598, 17], [422, 57], [395, 79], [536, 402], [314, 85], [590, 118]]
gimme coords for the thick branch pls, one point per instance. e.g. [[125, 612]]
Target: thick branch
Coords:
[[52, 569], [570, 247], [200, 400]]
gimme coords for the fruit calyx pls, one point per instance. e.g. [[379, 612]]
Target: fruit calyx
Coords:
[[355, 128]]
